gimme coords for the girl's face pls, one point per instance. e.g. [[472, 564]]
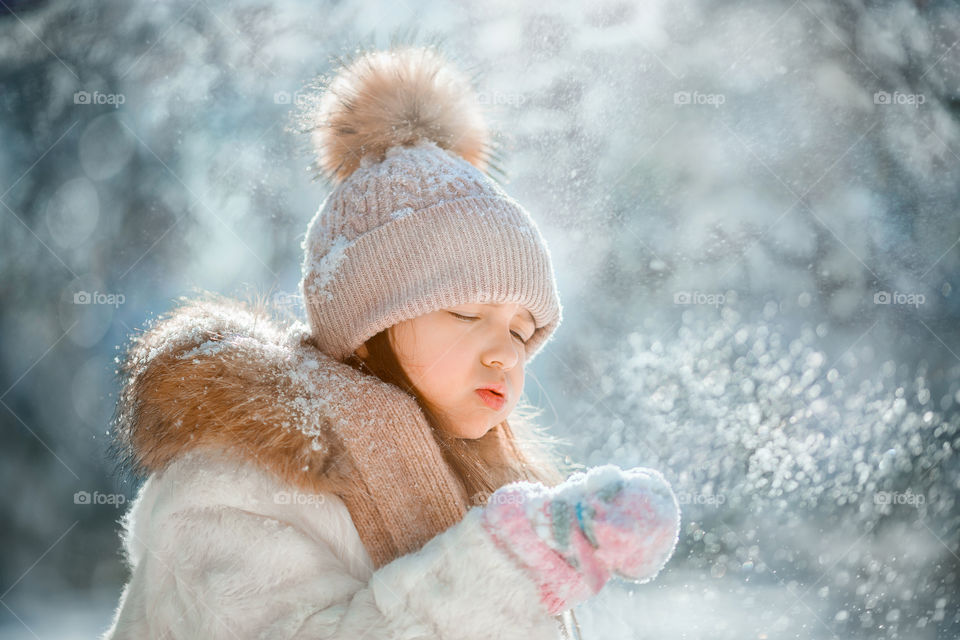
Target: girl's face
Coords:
[[451, 353]]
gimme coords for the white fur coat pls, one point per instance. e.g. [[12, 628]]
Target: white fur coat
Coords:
[[230, 538], [220, 550]]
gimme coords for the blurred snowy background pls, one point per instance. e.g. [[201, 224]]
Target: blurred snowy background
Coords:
[[753, 212]]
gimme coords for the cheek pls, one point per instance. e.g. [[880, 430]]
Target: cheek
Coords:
[[437, 361], [439, 376]]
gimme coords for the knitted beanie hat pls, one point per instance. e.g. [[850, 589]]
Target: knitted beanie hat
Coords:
[[413, 224]]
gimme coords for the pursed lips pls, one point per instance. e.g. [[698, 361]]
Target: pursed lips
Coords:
[[494, 396]]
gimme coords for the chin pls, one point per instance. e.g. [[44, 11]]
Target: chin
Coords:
[[472, 432]]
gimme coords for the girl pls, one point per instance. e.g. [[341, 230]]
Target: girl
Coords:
[[357, 476]]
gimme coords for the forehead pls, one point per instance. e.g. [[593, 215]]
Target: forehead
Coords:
[[522, 312]]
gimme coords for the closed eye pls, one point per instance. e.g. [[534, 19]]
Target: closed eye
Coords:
[[463, 317]]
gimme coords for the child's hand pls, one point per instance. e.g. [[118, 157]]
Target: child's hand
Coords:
[[573, 537], [633, 523]]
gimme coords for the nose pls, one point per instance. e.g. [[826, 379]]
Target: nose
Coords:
[[502, 353]]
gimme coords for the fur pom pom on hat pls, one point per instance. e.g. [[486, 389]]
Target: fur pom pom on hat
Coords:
[[413, 224], [390, 98]]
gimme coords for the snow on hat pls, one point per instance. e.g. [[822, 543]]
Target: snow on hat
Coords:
[[413, 224]]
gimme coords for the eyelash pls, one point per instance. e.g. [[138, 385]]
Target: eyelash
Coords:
[[463, 317]]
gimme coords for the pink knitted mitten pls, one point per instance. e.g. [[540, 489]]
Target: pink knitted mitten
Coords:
[[573, 537]]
